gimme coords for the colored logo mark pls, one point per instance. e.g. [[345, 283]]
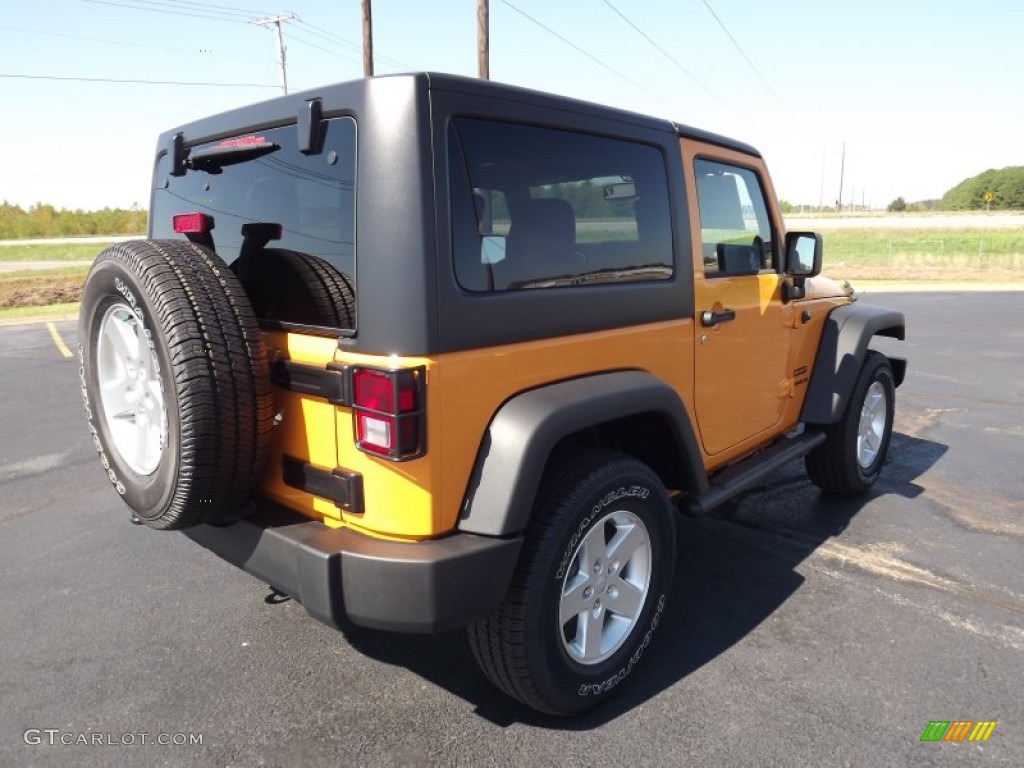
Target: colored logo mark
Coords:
[[958, 730]]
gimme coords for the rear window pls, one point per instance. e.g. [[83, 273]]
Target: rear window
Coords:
[[538, 207], [307, 277]]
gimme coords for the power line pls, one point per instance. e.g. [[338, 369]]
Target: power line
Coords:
[[172, 13], [189, 8], [334, 39], [590, 56], [747, 58], [295, 38], [668, 56], [188, 4], [118, 42], [142, 82]]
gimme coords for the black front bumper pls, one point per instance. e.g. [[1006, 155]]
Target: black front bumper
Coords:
[[338, 574]]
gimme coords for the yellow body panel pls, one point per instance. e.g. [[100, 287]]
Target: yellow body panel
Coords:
[[306, 428], [421, 498], [742, 382], [750, 374]]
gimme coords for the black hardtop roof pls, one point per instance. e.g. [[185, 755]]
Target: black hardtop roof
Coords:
[[490, 88], [339, 97]]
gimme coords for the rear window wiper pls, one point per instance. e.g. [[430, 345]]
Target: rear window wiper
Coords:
[[213, 159]]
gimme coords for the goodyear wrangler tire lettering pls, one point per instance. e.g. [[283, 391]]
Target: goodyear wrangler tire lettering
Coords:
[[635, 490], [591, 690], [589, 590], [174, 381]]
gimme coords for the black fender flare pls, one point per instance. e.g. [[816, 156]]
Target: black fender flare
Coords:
[[515, 448], [841, 351]]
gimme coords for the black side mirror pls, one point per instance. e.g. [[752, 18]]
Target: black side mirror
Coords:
[[803, 260], [803, 254]]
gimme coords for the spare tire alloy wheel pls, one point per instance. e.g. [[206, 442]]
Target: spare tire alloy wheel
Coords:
[[590, 587], [175, 382], [131, 391]]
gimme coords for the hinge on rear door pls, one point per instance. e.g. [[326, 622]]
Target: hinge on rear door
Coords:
[[333, 383]]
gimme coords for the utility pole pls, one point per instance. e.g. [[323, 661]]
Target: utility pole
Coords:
[[483, 40], [821, 192], [842, 170], [367, 40], [276, 20]]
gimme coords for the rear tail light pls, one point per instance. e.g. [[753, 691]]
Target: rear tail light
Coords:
[[390, 413], [191, 223]]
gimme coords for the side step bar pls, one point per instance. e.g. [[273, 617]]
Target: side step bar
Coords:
[[749, 472]]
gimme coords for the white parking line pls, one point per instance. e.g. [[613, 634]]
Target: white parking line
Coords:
[[61, 346]]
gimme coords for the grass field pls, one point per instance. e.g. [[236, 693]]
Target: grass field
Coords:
[[988, 255], [50, 310], [74, 252], [50, 290], [925, 254]]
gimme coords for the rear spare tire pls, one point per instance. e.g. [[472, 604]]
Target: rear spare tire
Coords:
[[297, 287], [175, 382]]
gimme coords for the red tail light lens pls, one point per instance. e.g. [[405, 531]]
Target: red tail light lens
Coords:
[[388, 406], [190, 223]]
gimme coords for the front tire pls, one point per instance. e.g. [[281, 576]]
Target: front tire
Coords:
[[589, 590], [850, 460]]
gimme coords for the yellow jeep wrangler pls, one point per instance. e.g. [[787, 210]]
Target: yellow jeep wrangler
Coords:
[[426, 352]]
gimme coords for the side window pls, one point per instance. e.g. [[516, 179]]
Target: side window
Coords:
[[735, 230], [542, 208]]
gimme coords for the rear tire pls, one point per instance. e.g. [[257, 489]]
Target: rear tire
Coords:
[[589, 589], [850, 460], [175, 382]]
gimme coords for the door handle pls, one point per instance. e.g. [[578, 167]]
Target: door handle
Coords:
[[711, 318]]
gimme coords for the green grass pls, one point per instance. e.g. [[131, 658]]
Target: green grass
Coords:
[[963, 249], [73, 252], [79, 271], [50, 310]]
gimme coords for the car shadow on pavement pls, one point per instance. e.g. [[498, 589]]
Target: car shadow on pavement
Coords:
[[733, 570]]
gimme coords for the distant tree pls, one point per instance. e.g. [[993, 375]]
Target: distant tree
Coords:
[[785, 206], [1005, 184], [899, 205], [43, 220]]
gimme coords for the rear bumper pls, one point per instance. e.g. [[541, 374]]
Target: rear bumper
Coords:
[[338, 574]]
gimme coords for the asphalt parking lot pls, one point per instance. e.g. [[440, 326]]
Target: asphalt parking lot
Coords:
[[803, 630]]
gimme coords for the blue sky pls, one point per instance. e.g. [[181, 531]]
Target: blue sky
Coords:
[[924, 94]]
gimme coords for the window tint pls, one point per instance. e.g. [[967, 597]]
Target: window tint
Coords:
[[307, 276], [736, 233], [538, 208]]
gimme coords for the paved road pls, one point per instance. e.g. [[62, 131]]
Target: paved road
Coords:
[[19, 266], [803, 631], [72, 240]]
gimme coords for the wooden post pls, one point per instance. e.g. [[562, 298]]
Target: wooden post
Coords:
[[483, 40], [367, 40]]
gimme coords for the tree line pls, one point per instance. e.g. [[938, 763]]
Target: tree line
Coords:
[[997, 190], [42, 220]]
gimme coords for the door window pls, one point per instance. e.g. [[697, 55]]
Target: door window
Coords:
[[735, 230]]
